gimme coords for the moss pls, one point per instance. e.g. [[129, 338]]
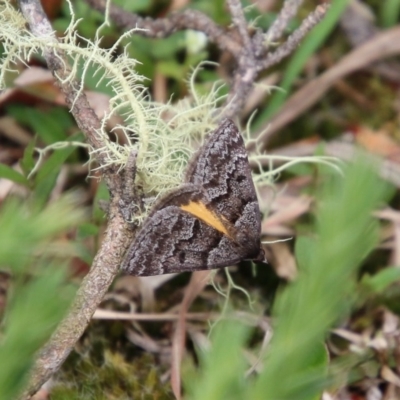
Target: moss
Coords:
[[114, 378]]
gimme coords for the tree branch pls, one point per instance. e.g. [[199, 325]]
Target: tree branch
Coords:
[[164, 27], [250, 52], [118, 233]]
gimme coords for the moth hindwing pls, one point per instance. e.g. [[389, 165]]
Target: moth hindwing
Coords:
[[211, 221]]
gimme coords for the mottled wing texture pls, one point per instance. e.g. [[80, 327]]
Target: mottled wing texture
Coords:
[[173, 240], [222, 169]]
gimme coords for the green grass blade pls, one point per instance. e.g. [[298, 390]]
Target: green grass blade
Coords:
[[12, 175], [223, 367], [306, 310], [40, 292]]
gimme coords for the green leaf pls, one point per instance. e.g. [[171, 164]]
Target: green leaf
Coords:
[[389, 13], [172, 69], [87, 230], [50, 126], [49, 170], [223, 366], [38, 300], [33, 313], [27, 162], [134, 6], [22, 229], [382, 280], [12, 175], [53, 164], [102, 194], [306, 310]]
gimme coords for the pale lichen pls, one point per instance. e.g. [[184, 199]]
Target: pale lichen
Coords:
[[164, 136]]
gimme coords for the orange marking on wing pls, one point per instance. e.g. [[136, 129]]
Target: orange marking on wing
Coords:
[[200, 211]]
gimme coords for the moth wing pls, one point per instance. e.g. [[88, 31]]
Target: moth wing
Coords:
[[173, 240], [221, 168]]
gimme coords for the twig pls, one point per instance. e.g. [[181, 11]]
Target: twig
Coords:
[[293, 40], [198, 281], [289, 10], [239, 21], [250, 63], [118, 234], [164, 27], [249, 52], [245, 73], [82, 112], [383, 45]]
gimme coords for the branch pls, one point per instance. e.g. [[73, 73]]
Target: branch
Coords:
[[164, 27], [118, 234], [276, 30], [252, 60], [239, 21], [84, 115], [245, 73], [91, 292], [383, 45], [249, 52], [294, 40]]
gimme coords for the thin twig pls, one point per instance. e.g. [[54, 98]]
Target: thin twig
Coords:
[[276, 30], [80, 108], [239, 21], [385, 44], [164, 27], [245, 73], [294, 39], [250, 53], [118, 234]]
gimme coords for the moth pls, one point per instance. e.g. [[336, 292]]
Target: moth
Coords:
[[211, 221]]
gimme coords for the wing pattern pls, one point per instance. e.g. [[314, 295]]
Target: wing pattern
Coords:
[[174, 240]]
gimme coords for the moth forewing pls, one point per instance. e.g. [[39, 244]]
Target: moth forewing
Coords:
[[211, 221]]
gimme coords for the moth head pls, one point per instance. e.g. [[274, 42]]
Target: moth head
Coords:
[[251, 245]]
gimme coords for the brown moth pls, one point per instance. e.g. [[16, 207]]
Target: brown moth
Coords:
[[211, 221]]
